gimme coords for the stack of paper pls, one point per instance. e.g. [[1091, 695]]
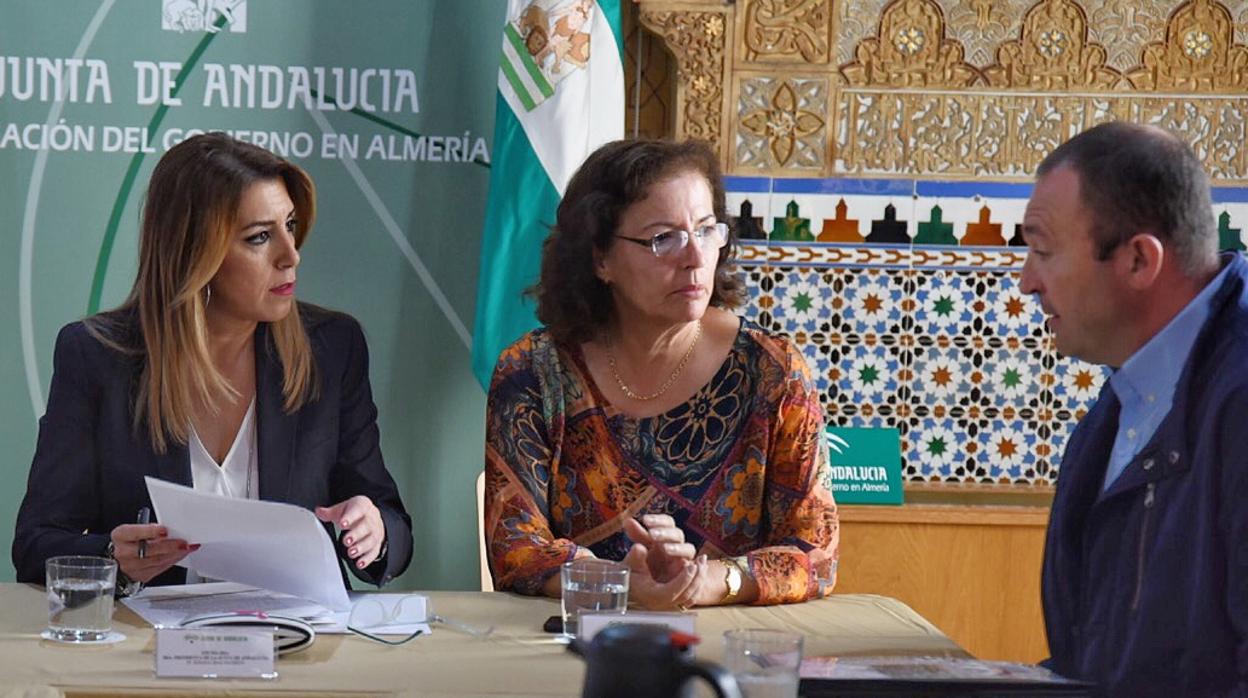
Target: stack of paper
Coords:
[[169, 606], [268, 545]]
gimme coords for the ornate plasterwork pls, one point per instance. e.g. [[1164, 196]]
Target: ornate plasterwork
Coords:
[[855, 21], [1001, 134], [1214, 127], [698, 41], [795, 31], [781, 123], [1199, 53], [981, 25], [1052, 52], [910, 50], [1123, 26], [908, 101]]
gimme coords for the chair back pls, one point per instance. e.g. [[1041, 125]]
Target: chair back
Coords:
[[487, 579]]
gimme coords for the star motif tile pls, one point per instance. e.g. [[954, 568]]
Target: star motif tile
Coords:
[[935, 338]]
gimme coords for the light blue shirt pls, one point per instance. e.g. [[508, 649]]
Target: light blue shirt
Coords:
[[1145, 384]]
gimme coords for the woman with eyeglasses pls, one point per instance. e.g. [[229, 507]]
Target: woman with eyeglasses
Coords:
[[646, 422], [211, 375]]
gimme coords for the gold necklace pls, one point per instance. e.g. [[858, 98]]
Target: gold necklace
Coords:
[[666, 384]]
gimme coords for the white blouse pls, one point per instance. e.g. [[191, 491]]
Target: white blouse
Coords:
[[237, 476]]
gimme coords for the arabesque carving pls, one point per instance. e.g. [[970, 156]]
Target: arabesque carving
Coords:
[[1003, 134], [981, 25], [1124, 26], [697, 40], [1063, 68], [788, 30], [1052, 52], [910, 50], [781, 123], [1198, 55], [854, 21]]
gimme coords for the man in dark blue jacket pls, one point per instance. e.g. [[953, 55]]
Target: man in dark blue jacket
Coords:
[[1145, 582]]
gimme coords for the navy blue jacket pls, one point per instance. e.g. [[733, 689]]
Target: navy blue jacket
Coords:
[[1145, 586], [89, 464]]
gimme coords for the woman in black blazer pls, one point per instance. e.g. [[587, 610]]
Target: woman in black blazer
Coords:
[[211, 340]]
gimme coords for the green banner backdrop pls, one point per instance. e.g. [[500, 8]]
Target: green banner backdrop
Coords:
[[388, 104]]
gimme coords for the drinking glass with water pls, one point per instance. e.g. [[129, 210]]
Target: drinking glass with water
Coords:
[[80, 597], [590, 584]]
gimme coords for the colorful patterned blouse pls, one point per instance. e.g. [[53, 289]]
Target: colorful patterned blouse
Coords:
[[740, 466]]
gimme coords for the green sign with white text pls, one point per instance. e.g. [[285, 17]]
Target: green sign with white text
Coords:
[[865, 465]]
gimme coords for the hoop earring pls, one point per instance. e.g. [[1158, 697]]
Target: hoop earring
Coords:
[[207, 295]]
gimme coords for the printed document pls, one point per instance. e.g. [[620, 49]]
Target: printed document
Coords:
[[270, 545], [168, 606]]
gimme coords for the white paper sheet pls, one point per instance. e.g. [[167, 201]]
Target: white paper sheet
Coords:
[[169, 606], [269, 545]]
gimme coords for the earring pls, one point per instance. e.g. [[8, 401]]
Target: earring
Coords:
[[207, 295]]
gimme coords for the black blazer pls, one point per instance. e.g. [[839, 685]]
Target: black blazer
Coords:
[[89, 464]]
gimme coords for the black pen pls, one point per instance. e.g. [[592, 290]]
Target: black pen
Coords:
[[145, 515]]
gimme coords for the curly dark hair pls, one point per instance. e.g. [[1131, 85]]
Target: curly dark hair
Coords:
[[572, 302]]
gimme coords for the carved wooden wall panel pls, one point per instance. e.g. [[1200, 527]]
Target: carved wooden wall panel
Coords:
[[781, 122], [698, 36], [785, 31]]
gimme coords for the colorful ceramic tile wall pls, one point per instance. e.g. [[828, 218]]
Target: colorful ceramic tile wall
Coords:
[[903, 296]]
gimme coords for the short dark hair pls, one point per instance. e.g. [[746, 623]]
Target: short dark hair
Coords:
[[1133, 178], [573, 303]]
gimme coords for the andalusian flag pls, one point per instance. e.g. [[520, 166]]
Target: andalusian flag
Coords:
[[560, 96]]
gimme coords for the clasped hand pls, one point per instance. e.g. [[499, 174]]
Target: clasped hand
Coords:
[[665, 572]]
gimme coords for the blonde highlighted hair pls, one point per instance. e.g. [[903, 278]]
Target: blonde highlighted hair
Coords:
[[188, 221]]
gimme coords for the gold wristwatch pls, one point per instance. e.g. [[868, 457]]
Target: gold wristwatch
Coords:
[[735, 571]]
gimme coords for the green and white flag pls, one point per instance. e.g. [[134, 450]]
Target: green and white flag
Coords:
[[560, 96]]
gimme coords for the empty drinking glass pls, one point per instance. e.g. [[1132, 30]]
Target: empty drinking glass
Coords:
[[765, 663]]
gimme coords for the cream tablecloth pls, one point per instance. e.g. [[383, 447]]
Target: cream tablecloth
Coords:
[[517, 660]]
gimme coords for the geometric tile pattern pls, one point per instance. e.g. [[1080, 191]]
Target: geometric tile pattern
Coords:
[[934, 340], [882, 153]]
